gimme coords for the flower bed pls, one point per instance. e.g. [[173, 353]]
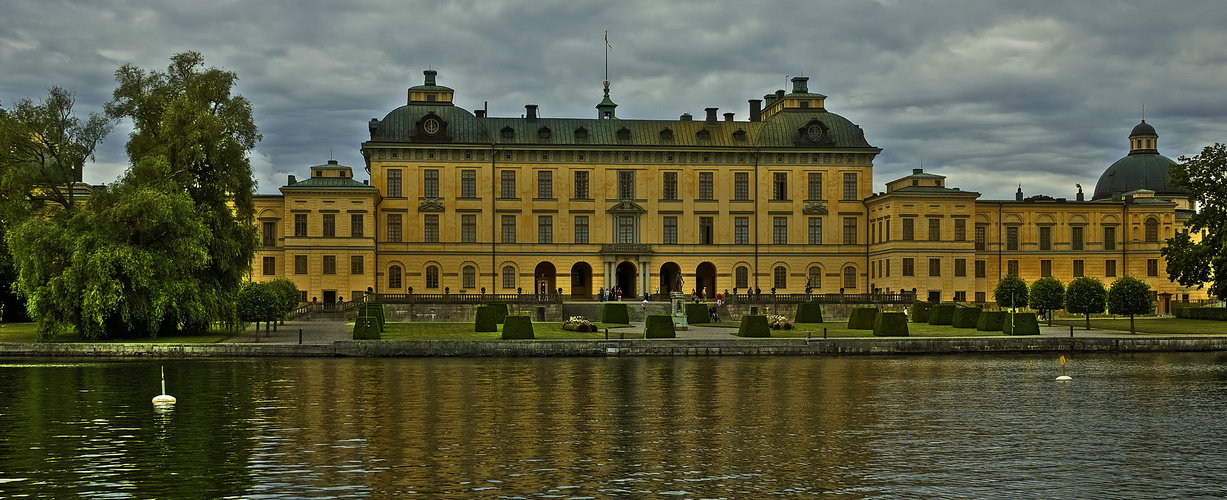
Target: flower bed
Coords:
[[578, 324], [777, 322]]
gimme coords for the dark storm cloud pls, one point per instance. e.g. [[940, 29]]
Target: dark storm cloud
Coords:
[[991, 94]]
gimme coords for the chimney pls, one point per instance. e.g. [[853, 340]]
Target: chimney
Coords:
[[430, 76], [481, 113], [779, 94], [530, 112], [711, 115], [728, 117], [799, 85], [291, 181], [769, 98], [756, 110], [686, 117], [373, 126], [918, 171]]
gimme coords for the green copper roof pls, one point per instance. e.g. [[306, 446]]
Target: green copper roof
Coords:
[[328, 183]]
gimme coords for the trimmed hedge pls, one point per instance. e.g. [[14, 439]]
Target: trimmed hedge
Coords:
[[615, 312], [808, 312], [753, 326], [659, 326], [890, 324], [942, 314], [1212, 313], [485, 320], [366, 328], [966, 317], [500, 311], [1023, 324], [862, 318], [920, 311], [374, 309], [697, 313], [517, 327], [990, 321]]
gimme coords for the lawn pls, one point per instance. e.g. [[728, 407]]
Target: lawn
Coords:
[[1160, 326], [27, 333], [840, 330], [464, 331]]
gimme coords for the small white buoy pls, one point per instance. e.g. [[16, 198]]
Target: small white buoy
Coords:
[[1064, 378], [163, 399]]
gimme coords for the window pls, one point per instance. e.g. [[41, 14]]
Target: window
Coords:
[[432, 276], [781, 278], [741, 231], [850, 276], [1152, 230], [981, 268], [394, 277], [960, 229], [815, 186], [909, 266], [815, 230], [581, 229], [1046, 238], [705, 186], [626, 184], [960, 296], [581, 185], [545, 184], [849, 230], [300, 224], [981, 296], [1152, 267], [430, 184], [1076, 238], [1011, 238], [545, 229], [888, 267], [509, 277], [626, 229], [1109, 268], [270, 266], [909, 229], [270, 234], [357, 265], [394, 227], [1078, 269], [815, 277], [741, 278], [670, 188], [705, 230], [1109, 238], [507, 189], [300, 264], [779, 231], [741, 186], [960, 267], [468, 183], [935, 267], [1045, 267], [468, 277], [1011, 267], [330, 264], [981, 240], [850, 187], [394, 184], [468, 228], [330, 225], [302, 295], [355, 225], [779, 186], [509, 229], [430, 232], [935, 229]]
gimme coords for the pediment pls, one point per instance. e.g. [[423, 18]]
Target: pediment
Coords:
[[431, 205], [815, 208], [626, 207]]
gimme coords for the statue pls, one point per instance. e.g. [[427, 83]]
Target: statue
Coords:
[[677, 285]]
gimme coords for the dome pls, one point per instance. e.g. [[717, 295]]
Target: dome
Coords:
[[1139, 171], [1143, 129]]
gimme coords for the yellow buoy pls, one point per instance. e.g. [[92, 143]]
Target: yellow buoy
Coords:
[[1063, 377], [163, 399]]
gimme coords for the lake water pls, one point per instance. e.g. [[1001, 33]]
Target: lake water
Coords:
[[1128, 426]]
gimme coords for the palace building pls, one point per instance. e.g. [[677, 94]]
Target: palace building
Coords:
[[463, 202]]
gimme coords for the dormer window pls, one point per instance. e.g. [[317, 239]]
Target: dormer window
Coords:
[[581, 133], [508, 132], [666, 134], [739, 135], [624, 133], [703, 134], [543, 132]]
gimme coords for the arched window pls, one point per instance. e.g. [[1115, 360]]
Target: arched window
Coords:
[[743, 277], [781, 278], [509, 277], [849, 277], [432, 276], [815, 277], [469, 277], [394, 277], [1152, 230]]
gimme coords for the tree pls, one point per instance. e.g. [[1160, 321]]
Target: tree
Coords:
[[1047, 294], [288, 295], [259, 302], [1085, 295], [1195, 263], [1011, 291], [1129, 295]]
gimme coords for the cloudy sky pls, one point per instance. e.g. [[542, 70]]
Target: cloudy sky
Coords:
[[989, 93]]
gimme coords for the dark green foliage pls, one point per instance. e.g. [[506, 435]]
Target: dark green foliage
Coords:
[[485, 319], [287, 291], [500, 312], [1011, 291], [808, 312], [753, 326], [375, 310], [1086, 295], [862, 318], [966, 317], [260, 302], [1198, 263], [366, 328], [1212, 313], [659, 326], [1047, 294], [991, 321], [615, 312], [1023, 324], [890, 324], [697, 313], [517, 327], [1129, 296], [921, 311], [943, 314]]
